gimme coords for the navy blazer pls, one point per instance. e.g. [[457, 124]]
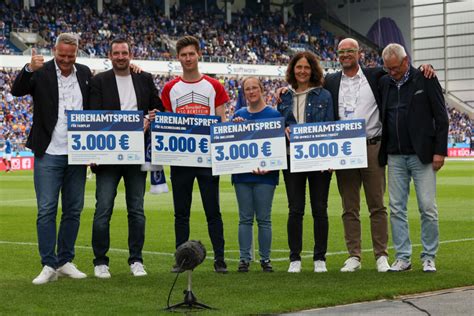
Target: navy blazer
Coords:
[[42, 85], [105, 95], [427, 117]]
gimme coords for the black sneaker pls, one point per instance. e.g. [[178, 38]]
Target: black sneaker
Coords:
[[266, 266], [243, 266], [220, 266], [176, 269]]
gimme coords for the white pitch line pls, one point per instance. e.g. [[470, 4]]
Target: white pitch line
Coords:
[[228, 259], [34, 200], [459, 159], [88, 248], [18, 201]]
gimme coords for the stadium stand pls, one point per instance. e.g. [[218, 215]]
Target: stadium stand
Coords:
[[16, 114], [461, 127], [251, 38]]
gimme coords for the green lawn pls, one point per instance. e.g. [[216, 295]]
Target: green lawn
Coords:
[[234, 293]]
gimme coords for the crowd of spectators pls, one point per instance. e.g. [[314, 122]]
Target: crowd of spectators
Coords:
[[4, 46], [460, 127], [252, 38], [16, 113]]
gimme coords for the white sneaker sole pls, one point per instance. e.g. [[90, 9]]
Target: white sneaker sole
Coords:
[[350, 270], [53, 279], [72, 276]]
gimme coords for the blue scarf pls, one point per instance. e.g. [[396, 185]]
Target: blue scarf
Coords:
[[157, 174]]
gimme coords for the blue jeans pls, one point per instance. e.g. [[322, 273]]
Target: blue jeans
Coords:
[[255, 199], [401, 168], [107, 180], [52, 175]]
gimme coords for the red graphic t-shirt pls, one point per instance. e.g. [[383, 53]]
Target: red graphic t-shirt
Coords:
[[199, 97]]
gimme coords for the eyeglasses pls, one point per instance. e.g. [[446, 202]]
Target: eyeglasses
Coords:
[[347, 51], [394, 68]]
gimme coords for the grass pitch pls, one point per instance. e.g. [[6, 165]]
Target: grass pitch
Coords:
[[235, 293]]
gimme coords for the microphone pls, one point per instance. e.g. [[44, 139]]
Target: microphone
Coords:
[[190, 254]]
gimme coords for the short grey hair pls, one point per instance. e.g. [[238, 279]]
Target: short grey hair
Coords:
[[393, 49], [67, 38]]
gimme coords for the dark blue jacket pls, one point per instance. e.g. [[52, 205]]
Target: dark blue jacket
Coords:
[[319, 107], [427, 119]]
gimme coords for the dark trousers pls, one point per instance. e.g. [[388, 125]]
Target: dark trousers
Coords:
[[182, 182], [295, 184], [108, 178]]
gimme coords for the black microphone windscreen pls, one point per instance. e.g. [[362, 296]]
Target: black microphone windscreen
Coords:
[[190, 254]]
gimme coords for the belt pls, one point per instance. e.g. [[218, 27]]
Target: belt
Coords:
[[374, 140]]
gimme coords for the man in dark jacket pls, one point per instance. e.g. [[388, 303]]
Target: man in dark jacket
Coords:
[[56, 86], [120, 89], [414, 143]]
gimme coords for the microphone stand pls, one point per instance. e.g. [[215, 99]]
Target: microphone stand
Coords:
[[190, 300]]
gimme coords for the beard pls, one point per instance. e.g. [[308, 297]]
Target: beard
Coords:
[[121, 65]]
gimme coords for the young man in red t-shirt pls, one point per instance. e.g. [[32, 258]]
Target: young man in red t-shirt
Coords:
[[195, 93]]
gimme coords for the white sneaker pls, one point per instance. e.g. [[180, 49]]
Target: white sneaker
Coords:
[[48, 274], [382, 264], [137, 269], [320, 266], [159, 188], [102, 271], [429, 266], [70, 270], [400, 265], [351, 265], [295, 267]]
